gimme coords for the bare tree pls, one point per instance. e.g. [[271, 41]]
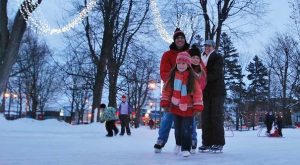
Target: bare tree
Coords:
[[78, 79], [139, 69], [283, 58], [39, 78], [10, 39], [295, 15], [216, 13], [182, 14], [127, 26]]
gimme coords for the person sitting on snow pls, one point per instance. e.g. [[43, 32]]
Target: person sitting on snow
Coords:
[[278, 122]]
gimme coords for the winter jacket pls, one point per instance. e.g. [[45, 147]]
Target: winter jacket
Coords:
[[194, 100], [129, 109], [215, 76], [109, 114], [269, 119], [278, 121], [202, 76], [168, 61]]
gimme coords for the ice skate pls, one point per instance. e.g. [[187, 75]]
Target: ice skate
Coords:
[[186, 153], [177, 149], [204, 148], [216, 148], [158, 146]]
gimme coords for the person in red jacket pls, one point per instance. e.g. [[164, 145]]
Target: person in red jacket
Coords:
[[168, 61], [183, 98]]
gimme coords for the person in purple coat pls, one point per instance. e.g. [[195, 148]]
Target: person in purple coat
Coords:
[[124, 112]]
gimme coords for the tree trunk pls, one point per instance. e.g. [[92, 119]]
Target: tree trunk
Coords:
[[8, 58], [113, 79], [106, 52], [98, 87], [237, 116]]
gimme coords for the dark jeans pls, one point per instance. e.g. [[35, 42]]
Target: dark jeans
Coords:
[[183, 132], [279, 129], [269, 127], [212, 121], [124, 119], [110, 127]]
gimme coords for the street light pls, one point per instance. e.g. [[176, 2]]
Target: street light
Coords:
[[6, 95], [152, 85]]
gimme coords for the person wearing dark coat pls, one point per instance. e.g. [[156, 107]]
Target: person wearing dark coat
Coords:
[[278, 122], [212, 118], [269, 119]]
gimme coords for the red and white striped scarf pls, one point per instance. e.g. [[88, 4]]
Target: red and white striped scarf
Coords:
[[179, 97]]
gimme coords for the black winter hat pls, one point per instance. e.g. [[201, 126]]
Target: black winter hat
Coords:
[[177, 33], [102, 106], [194, 51]]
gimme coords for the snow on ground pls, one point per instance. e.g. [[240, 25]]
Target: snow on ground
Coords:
[[49, 142]]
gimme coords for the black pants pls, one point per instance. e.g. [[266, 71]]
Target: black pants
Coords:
[[183, 132], [212, 121], [269, 127], [110, 127], [279, 129], [124, 119]]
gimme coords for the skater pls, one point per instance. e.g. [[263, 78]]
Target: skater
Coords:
[[168, 61], [278, 122], [151, 123], [199, 68], [269, 120], [212, 118], [183, 98], [109, 116], [124, 112]]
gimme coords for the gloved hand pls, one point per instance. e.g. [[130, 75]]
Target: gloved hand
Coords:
[[198, 108]]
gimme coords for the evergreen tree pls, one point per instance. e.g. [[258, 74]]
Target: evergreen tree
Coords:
[[258, 76], [230, 57], [258, 87], [233, 74]]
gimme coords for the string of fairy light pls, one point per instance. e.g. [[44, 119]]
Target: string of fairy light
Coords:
[[37, 21], [158, 22], [44, 27]]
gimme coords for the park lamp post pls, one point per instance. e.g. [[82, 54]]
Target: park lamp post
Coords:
[[152, 86], [11, 97]]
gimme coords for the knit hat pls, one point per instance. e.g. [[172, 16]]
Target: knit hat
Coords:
[[183, 57], [124, 97], [102, 106], [194, 51], [177, 33]]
